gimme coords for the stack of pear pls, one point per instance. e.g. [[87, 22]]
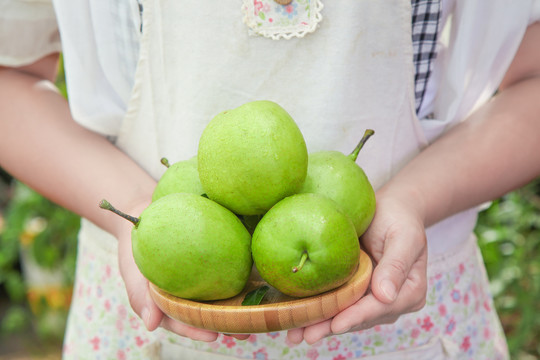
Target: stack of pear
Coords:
[[190, 241], [253, 195], [308, 243]]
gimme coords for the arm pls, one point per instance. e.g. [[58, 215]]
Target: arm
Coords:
[[495, 151], [41, 145]]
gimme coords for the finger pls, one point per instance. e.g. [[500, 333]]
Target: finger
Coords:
[[137, 287], [188, 331], [361, 315], [369, 311], [239, 336], [316, 332], [151, 314], [295, 336], [142, 303], [138, 292], [401, 250]]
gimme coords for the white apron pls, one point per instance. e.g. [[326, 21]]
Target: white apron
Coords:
[[337, 76]]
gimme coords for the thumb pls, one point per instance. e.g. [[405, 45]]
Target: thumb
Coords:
[[141, 301], [401, 251], [138, 290], [151, 314]]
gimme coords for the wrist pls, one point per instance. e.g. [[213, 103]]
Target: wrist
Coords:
[[408, 196]]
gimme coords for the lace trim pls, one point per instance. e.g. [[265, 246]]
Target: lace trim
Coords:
[[269, 19]]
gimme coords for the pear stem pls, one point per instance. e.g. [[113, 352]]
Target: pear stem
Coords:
[[104, 204], [356, 151], [302, 262], [165, 162]]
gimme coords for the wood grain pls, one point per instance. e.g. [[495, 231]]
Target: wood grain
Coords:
[[276, 312]]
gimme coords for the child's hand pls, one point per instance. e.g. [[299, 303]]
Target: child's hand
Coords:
[[139, 295], [396, 241]]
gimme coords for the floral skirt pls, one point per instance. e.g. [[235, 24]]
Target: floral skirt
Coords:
[[458, 321]]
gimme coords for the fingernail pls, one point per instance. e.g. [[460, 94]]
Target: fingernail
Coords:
[[389, 289], [145, 316], [342, 331]]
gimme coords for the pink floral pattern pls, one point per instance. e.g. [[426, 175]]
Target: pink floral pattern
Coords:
[[101, 323], [269, 19], [459, 309]]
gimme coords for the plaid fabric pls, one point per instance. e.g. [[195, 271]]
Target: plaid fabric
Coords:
[[425, 28]]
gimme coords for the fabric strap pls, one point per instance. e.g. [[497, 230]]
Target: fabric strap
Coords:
[[425, 27]]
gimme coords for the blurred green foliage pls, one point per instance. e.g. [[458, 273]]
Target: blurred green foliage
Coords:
[[47, 233], [48, 230], [509, 237]]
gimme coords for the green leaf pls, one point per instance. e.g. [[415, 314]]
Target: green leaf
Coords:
[[255, 297]]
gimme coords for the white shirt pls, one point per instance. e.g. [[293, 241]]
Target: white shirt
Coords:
[[105, 35]]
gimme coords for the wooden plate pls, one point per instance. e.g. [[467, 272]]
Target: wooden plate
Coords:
[[276, 312]]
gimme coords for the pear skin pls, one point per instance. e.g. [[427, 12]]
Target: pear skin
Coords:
[[338, 177], [192, 247], [251, 157], [305, 245], [181, 176]]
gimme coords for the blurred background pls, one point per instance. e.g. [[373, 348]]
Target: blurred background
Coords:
[[38, 250]]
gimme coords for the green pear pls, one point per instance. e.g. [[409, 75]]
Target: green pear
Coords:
[[305, 245], [181, 176], [191, 247], [251, 157], [337, 176]]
